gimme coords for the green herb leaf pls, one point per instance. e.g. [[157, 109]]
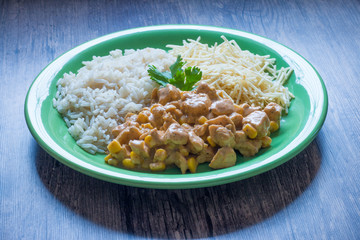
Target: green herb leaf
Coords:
[[159, 77], [193, 75], [184, 80]]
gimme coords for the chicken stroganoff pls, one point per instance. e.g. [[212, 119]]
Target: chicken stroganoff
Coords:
[[187, 128]]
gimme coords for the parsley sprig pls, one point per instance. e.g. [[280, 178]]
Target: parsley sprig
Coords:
[[182, 79]]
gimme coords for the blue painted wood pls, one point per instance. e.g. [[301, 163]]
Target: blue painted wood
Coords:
[[316, 195]]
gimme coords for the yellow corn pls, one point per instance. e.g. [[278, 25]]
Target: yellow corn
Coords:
[[142, 118], [114, 147], [148, 140], [109, 156], [158, 166], [265, 141], [202, 120], [238, 109], [147, 125], [211, 141], [128, 163], [160, 155], [250, 131], [274, 126], [192, 164]]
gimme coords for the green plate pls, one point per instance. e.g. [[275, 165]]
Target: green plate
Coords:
[[306, 114]]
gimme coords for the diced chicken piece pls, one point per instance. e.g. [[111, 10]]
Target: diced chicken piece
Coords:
[[154, 96], [260, 121], [130, 117], [222, 136], [206, 155], [220, 120], [168, 120], [210, 91], [195, 104], [139, 147], [225, 157], [158, 111], [178, 159], [273, 111], [168, 94], [156, 138], [195, 144], [247, 109], [122, 154], [237, 119], [156, 118], [222, 107], [246, 146], [175, 134], [118, 129], [201, 130], [128, 134]]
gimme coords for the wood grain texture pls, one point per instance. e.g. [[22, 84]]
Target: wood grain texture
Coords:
[[316, 195]]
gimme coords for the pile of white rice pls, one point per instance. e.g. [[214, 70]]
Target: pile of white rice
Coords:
[[97, 98]]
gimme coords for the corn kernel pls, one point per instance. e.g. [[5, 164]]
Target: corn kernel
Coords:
[[128, 163], [114, 147], [160, 155], [147, 125], [265, 141], [158, 166], [142, 118], [192, 164], [109, 156], [148, 140], [211, 141], [274, 126], [250, 131], [202, 120]]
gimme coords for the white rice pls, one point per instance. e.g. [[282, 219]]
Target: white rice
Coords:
[[97, 98]]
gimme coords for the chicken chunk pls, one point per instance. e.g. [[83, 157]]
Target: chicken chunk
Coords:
[[222, 136], [128, 134], [273, 111], [224, 157], [139, 147], [206, 154], [118, 129], [207, 89], [222, 107], [195, 104], [175, 134], [260, 121], [220, 120], [178, 159], [247, 109], [168, 94], [247, 147], [237, 119], [195, 144]]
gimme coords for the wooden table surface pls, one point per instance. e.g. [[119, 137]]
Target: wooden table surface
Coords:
[[315, 195]]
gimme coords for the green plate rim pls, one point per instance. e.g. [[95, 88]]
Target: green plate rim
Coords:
[[32, 111]]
